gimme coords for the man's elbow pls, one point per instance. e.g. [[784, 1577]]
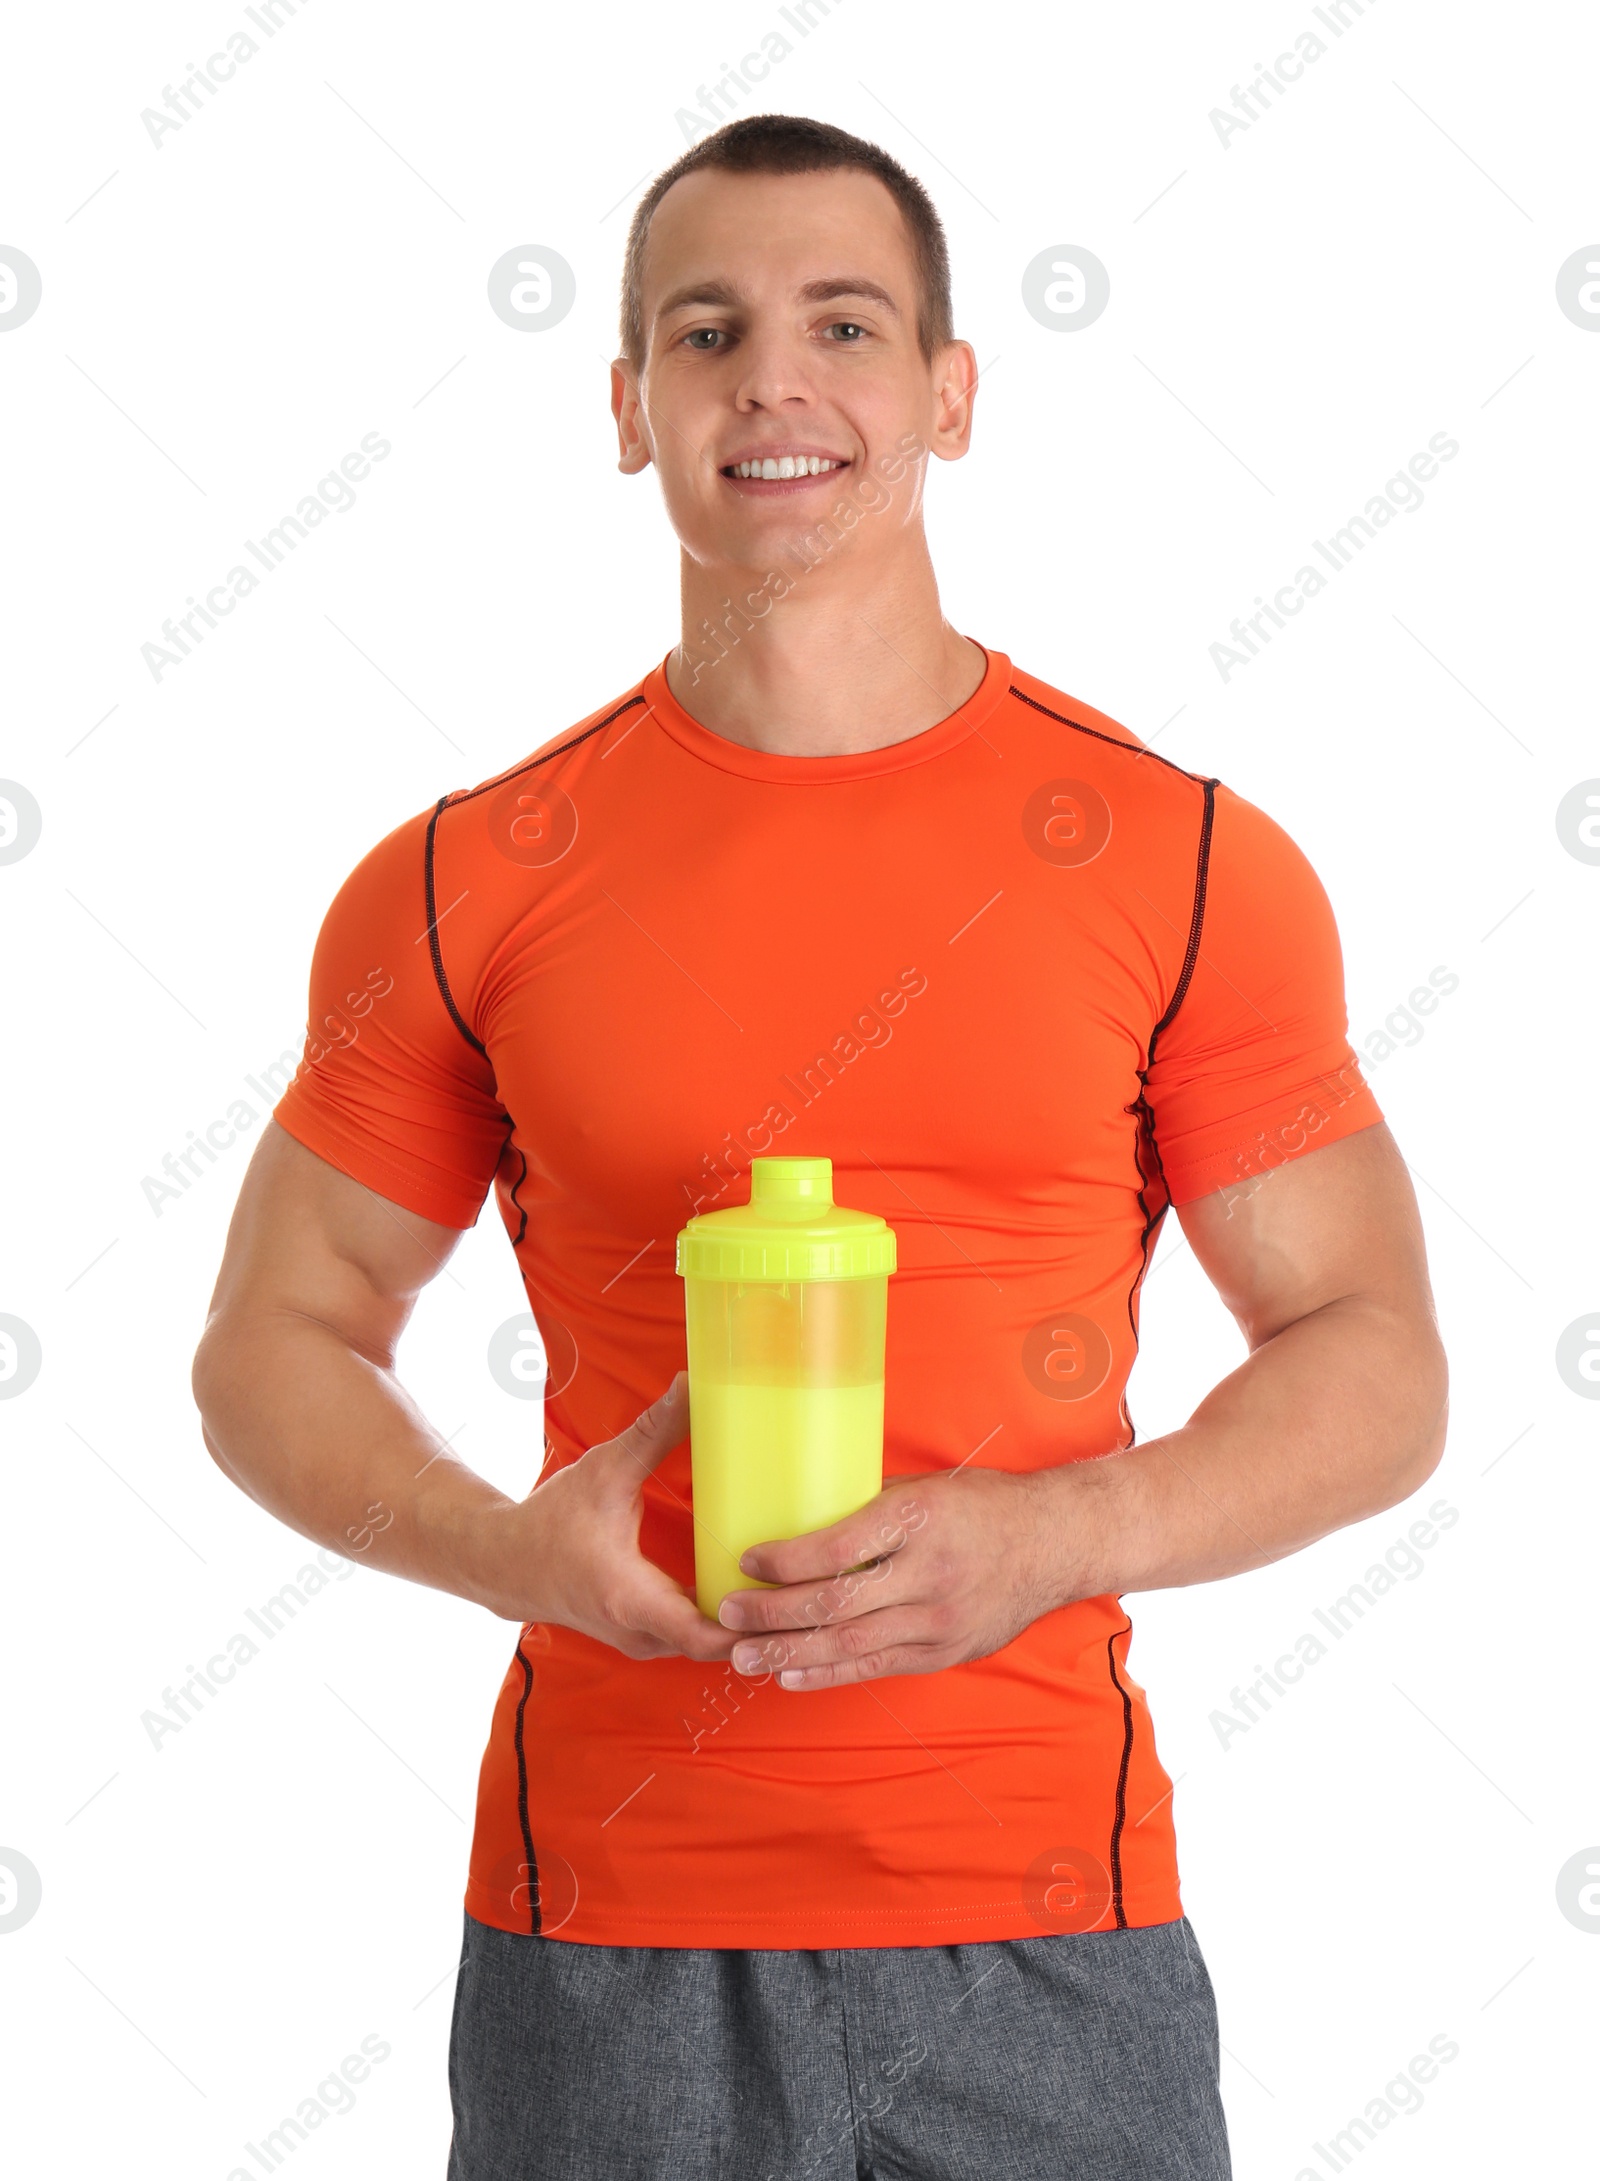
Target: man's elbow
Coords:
[[203, 1371], [1418, 1445], [208, 1380]]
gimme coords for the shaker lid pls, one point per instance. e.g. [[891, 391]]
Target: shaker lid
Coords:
[[791, 1229]]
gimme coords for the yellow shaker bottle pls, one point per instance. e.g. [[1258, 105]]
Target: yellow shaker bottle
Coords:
[[785, 1300]]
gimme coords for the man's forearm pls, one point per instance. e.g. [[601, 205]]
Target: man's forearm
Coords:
[[1337, 1417], [329, 1441]]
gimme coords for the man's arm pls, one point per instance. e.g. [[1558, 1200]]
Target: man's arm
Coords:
[[1338, 1412], [299, 1403]]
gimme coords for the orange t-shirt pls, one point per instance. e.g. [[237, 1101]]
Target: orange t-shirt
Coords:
[[1026, 983]]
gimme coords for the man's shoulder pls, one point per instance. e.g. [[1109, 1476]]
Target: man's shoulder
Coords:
[[524, 811], [1076, 732], [1171, 803], [547, 758]]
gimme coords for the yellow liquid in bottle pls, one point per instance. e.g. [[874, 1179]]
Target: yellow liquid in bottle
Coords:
[[772, 1461]]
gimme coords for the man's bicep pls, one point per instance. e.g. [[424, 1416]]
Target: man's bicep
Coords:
[[1335, 1222], [310, 1240]]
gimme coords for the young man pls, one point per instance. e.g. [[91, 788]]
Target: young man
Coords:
[[830, 880]]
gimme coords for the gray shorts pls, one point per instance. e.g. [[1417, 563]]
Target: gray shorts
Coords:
[[1087, 2054]]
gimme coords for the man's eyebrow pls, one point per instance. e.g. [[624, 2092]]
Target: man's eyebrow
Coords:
[[836, 291], [723, 295], [715, 294]]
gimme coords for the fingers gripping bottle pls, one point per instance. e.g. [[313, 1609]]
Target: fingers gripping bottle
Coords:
[[786, 1302]]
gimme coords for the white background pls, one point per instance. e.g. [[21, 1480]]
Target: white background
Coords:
[[1292, 316]]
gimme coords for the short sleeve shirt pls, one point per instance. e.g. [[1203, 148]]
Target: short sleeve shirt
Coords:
[[1027, 984]]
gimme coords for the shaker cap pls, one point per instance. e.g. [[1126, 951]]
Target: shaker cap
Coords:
[[791, 1229]]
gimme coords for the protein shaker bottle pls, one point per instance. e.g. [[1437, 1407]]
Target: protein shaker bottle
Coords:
[[786, 1302]]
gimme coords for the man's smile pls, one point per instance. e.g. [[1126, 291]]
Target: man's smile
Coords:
[[765, 472]]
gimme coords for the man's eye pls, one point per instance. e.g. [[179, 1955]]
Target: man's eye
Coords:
[[703, 338], [848, 328]]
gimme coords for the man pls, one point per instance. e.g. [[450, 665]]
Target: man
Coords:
[[874, 1875]]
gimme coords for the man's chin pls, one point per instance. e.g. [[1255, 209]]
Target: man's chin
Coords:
[[738, 557]]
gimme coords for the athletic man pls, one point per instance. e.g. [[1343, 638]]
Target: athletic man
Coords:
[[873, 1876]]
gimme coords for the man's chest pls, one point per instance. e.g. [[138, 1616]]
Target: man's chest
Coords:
[[960, 1016]]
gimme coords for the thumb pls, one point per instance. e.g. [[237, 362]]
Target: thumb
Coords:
[[664, 1425]]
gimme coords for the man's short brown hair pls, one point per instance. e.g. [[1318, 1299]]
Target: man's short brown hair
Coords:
[[790, 144]]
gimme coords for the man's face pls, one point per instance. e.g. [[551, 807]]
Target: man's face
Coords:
[[780, 321]]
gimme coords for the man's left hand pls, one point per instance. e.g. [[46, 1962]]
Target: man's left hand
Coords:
[[937, 1569]]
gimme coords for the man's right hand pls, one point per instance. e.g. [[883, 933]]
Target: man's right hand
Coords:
[[569, 1552]]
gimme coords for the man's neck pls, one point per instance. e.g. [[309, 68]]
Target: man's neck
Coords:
[[836, 666]]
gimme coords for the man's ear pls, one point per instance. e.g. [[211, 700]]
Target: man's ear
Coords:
[[955, 391], [633, 451]]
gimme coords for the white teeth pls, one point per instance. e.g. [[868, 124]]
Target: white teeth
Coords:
[[787, 465]]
